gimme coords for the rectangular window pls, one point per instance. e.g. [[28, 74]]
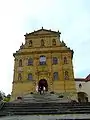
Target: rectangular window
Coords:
[[30, 77], [55, 60], [30, 61], [42, 60]]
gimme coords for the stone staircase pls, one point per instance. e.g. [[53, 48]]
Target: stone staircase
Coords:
[[45, 104], [47, 97], [10, 109]]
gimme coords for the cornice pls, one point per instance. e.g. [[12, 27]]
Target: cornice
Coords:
[[27, 81], [52, 46], [40, 52], [48, 49]]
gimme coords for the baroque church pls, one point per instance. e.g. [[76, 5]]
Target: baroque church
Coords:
[[45, 62]]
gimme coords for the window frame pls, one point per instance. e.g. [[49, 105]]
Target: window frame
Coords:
[[30, 75], [42, 62], [80, 85], [30, 61], [54, 60]]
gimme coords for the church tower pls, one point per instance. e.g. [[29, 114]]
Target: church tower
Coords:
[[43, 60]]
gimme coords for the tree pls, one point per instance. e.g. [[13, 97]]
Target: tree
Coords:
[[7, 98], [2, 95]]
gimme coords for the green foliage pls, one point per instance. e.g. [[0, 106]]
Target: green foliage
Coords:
[[6, 99]]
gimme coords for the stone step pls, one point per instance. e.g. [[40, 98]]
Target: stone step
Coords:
[[30, 105], [47, 104], [44, 108], [43, 98], [48, 107], [43, 112], [46, 97], [36, 109]]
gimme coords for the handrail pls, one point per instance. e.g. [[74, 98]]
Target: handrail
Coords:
[[1, 105]]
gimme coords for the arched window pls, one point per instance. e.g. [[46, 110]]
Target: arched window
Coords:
[[19, 77], [80, 85], [42, 42], [66, 76], [30, 43], [30, 77], [55, 75], [65, 60], [55, 60], [42, 60], [53, 42], [30, 61], [20, 63]]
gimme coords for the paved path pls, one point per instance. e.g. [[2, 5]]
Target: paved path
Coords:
[[48, 117]]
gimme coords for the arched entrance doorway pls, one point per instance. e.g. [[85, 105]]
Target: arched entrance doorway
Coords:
[[82, 97], [42, 85]]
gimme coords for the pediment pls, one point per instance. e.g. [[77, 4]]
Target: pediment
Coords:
[[43, 31]]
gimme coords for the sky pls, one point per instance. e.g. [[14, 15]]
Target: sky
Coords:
[[70, 17]]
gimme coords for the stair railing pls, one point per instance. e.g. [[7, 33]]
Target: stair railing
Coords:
[[1, 105]]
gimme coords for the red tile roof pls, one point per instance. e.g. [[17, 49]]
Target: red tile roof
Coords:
[[87, 78], [83, 79], [80, 79]]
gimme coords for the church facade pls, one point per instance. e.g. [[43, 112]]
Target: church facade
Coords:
[[44, 60]]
